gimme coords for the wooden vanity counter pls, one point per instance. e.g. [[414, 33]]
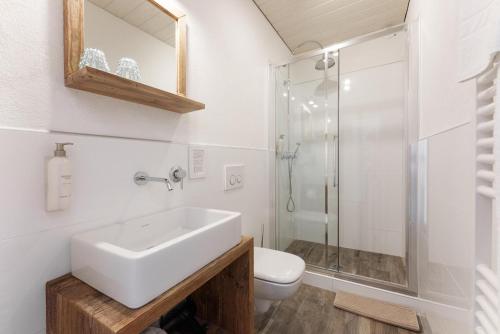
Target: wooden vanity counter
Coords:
[[222, 290]]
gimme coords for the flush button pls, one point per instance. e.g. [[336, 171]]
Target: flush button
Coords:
[[233, 176]]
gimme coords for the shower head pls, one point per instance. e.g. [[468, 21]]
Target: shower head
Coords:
[[327, 61]]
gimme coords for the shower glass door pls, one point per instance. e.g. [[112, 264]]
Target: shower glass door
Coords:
[[307, 160], [342, 136], [373, 159]]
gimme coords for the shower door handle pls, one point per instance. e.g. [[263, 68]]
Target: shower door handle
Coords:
[[326, 197], [334, 161]]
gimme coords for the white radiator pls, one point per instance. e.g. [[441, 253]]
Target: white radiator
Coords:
[[487, 287]]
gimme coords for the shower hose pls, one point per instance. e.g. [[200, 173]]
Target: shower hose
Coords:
[[290, 205]]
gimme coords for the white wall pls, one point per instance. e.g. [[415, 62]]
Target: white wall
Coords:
[[156, 59], [445, 103], [446, 236], [227, 69], [446, 257]]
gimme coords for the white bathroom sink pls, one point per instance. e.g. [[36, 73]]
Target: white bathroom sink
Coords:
[[135, 261]]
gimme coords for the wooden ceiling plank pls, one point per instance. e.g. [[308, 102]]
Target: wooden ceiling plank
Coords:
[[120, 8], [357, 11], [302, 13], [101, 3], [142, 15], [330, 21]]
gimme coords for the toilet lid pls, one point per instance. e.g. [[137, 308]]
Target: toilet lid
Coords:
[[277, 267]]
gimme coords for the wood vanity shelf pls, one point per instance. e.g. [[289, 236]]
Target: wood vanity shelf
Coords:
[[108, 84], [222, 291], [104, 83]]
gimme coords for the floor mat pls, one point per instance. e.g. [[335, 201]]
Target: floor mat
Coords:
[[396, 315]]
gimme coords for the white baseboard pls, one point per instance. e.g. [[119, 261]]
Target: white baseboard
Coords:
[[438, 315]]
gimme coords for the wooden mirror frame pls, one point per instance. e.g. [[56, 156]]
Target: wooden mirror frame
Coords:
[[105, 83]]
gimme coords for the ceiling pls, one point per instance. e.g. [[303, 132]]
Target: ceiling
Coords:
[[330, 21], [143, 15]]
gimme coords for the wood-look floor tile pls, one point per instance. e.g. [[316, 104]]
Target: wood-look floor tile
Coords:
[[374, 265], [311, 311]]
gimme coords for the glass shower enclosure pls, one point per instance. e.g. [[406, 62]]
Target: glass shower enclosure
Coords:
[[341, 137], [306, 128]]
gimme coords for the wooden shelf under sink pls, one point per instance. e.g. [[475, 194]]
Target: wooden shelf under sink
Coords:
[[108, 84], [222, 291]]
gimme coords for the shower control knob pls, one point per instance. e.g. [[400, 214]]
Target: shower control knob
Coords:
[[179, 174]]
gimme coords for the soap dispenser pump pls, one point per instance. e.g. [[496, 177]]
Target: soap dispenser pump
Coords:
[[58, 196]]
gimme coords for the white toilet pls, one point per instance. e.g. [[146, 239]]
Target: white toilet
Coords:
[[277, 275]]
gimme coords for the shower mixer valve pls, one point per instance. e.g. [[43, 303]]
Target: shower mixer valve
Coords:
[[288, 155], [177, 174]]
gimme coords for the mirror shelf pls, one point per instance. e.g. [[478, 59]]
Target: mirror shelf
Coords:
[[105, 83]]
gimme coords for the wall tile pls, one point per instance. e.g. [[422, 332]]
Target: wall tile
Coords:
[[34, 244], [372, 160], [446, 242]]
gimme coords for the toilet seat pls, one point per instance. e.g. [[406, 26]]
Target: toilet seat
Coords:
[[278, 268], [275, 291]]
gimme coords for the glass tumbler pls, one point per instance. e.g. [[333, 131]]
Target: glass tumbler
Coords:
[[94, 58], [128, 68]]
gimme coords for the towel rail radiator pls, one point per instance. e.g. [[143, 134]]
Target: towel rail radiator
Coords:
[[487, 281]]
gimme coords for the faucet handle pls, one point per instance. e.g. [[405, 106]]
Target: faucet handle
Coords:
[[180, 173], [177, 174]]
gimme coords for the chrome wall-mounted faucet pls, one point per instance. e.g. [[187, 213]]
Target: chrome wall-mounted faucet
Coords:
[[142, 178]]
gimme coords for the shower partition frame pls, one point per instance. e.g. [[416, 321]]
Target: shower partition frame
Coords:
[[411, 137]]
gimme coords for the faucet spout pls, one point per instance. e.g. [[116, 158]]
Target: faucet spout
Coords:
[[142, 178], [169, 185]]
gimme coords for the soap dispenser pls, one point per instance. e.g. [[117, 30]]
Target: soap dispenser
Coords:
[[59, 176]]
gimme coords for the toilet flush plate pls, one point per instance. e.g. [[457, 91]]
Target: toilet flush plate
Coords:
[[233, 177]]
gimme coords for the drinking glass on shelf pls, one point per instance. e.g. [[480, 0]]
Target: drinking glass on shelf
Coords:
[[94, 58], [128, 68]]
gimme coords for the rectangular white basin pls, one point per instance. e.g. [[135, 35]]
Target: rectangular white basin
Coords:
[[135, 261]]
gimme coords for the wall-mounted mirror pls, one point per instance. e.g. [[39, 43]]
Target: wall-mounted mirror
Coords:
[[134, 50], [136, 39]]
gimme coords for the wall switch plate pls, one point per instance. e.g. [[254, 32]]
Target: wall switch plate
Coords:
[[233, 176]]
